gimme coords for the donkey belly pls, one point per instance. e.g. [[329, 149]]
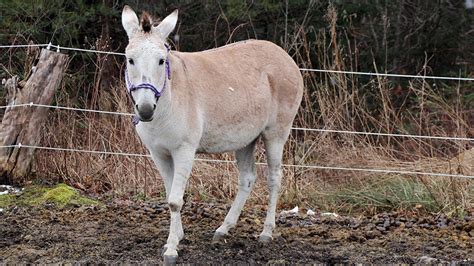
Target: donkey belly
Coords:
[[229, 137]]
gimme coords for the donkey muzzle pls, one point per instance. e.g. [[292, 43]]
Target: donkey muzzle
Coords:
[[145, 112]]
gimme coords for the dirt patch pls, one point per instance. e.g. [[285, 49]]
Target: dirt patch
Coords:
[[136, 232]]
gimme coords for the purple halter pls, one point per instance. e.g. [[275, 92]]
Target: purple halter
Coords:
[[149, 86]]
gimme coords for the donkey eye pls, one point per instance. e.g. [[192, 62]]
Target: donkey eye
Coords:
[[131, 61], [161, 61]]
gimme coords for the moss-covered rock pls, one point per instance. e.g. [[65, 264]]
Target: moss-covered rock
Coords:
[[6, 200], [60, 195]]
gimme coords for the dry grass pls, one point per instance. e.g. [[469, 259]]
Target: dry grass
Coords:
[[332, 101]]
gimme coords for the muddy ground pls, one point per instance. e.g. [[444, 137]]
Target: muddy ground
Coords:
[[136, 232]]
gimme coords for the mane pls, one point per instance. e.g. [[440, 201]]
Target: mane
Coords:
[[146, 22]]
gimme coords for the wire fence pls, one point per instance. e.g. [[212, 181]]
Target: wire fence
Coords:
[[58, 48], [293, 128], [388, 171]]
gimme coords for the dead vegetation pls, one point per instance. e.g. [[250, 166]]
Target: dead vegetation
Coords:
[[332, 101]]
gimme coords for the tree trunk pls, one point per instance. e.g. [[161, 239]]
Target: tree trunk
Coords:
[[21, 125], [463, 163]]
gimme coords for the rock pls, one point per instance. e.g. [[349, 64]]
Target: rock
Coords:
[[427, 260], [149, 210], [356, 238], [329, 214], [369, 227], [465, 237], [442, 225], [200, 211], [424, 225], [469, 227], [381, 228], [282, 220], [355, 226], [372, 234], [293, 211]]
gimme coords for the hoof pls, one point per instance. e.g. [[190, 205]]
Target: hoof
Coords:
[[170, 259], [218, 237], [264, 239]]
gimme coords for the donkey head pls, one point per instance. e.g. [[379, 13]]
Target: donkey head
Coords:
[[147, 59]]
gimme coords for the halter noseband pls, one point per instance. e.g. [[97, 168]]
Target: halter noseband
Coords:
[[149, 86]]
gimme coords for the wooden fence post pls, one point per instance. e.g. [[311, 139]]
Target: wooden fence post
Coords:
[[23, 124]]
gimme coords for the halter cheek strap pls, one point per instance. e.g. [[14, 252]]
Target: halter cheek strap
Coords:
[[131, 87]]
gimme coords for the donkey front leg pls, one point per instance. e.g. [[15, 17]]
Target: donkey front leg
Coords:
[[183, 162], [164, 163]]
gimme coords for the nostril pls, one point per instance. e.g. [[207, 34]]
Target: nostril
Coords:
[[154, 107], [136, 106]]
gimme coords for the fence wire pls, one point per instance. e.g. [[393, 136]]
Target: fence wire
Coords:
[[59, 48], [386, 171], [293, 128], [390, 171]]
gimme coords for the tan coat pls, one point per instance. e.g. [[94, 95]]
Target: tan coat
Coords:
[[230, 95]]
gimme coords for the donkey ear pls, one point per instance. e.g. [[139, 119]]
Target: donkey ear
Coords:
[[130, 21], [167, 25]]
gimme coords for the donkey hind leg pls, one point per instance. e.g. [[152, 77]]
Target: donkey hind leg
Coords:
[[164, 163], [247, 175], [274, 152]]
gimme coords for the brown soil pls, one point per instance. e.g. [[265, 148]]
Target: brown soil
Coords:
[[136, 232]]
